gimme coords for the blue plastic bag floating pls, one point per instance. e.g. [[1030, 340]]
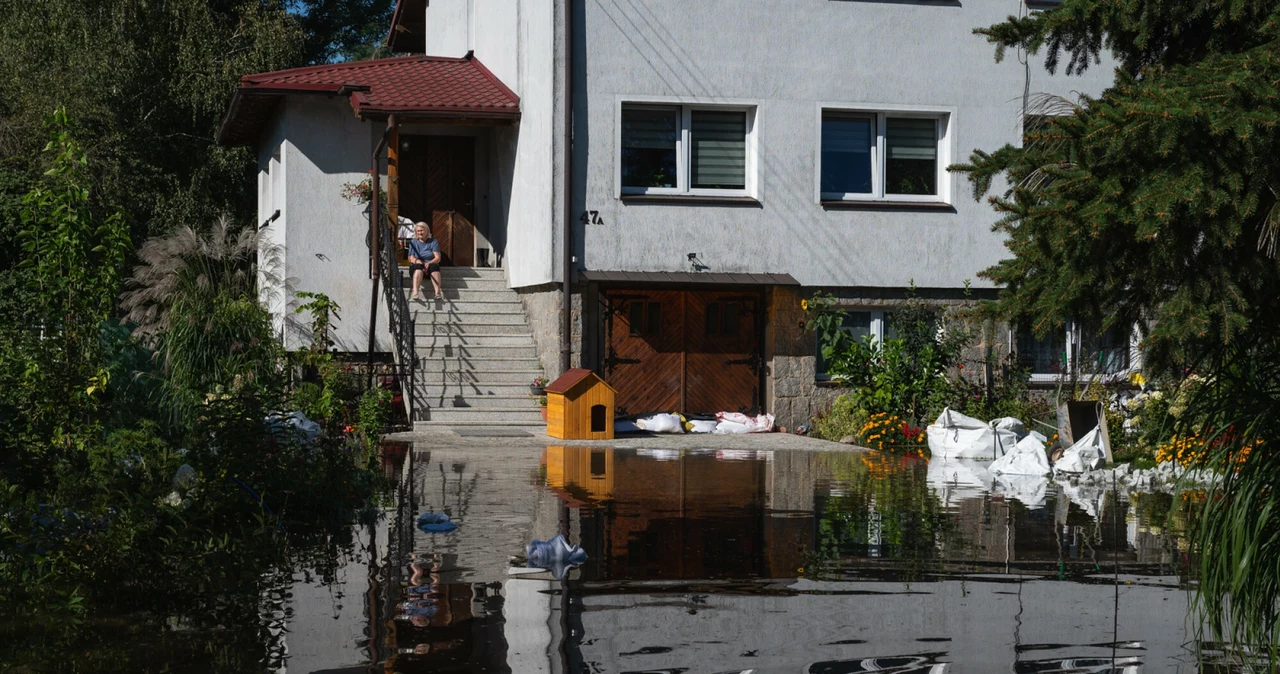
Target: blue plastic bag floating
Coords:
[[436, 523], [555, 555]]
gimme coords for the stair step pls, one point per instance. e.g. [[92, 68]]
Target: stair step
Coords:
[[468, 330], [440, 340], [473, 272], [441, 321], [503, 295], [533, 428], [478, 365], [463, 402], [463, 282], [471, 389], [529, 414], [453, 307], [437, 378], [466, 353]]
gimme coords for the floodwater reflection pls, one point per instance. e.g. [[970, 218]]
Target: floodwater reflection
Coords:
[[731, 561], [735, 561]]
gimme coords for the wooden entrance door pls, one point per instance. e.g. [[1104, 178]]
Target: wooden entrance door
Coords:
[[437, 186], [644, 361], [680, 351], [722, 364]]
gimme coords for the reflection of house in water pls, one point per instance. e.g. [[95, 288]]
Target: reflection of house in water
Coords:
[[696, 516]]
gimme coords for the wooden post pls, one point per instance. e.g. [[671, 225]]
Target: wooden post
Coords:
[[393, 173]]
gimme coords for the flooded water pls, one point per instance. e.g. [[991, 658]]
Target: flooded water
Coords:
[[703, 561], [732, 561]]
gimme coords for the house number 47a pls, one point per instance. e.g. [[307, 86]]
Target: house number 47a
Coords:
[[591, 218]]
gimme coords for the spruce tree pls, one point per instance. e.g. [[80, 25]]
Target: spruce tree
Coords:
[[1155, 203]]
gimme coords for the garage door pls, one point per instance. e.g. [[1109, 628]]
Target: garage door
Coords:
[[686, 351]]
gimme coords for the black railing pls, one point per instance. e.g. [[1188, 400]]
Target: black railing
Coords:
[[399, 315]]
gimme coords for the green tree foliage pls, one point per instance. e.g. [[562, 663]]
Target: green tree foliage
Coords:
[[53, 370], [147, 84], [342, 30], [1156, 204]]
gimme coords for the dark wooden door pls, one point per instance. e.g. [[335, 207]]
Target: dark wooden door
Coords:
[[678, 351], [722, 363], [437, 186], [645, 354]]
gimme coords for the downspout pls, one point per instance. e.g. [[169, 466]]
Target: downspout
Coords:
[[566, 308], [375, 249]]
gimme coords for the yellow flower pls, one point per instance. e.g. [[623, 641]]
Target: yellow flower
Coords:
[[804, 305]]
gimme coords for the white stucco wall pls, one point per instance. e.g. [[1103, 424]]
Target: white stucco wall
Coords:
[[787, 58], [325, 235], [271, 241], [514, 39]]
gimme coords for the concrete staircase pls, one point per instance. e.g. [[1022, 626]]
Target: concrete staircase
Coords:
[[476, 355]]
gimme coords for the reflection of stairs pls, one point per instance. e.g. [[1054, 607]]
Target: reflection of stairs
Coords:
[[476, 354]]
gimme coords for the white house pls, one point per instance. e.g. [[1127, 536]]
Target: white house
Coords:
[[725, 159]]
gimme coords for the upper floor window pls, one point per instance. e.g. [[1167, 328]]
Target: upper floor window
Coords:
[[686, 150], [889, 156]]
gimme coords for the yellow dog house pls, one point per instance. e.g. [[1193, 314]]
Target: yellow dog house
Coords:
[[580, 407]]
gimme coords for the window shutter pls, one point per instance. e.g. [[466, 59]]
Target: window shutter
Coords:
[[909, 138], [649, 129], [719, 149]]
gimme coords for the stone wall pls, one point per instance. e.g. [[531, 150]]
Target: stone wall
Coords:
[[793, 393], [542, 311]]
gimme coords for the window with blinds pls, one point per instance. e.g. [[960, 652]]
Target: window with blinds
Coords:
[[692, 150], [869, 155], [911, 156], [719, 149], [649, 147], [846, 152]]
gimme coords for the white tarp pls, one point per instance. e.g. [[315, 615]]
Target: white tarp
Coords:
[[660, 423], [1087, 454], [735, 422], [959, 436], [1026, 458]]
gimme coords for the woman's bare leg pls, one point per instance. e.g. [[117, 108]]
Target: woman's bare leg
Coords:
[[417, 282], [435, 281]]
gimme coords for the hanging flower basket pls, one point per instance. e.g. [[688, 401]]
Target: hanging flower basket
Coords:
[[361, 192]]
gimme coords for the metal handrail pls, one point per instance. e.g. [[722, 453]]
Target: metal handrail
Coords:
[[398, 314]]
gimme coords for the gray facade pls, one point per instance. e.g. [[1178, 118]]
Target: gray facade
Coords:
[[786, 63]]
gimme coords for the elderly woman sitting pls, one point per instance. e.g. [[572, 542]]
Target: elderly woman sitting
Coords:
[[424, 258]]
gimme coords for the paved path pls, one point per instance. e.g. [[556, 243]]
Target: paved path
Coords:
[[536, 437]]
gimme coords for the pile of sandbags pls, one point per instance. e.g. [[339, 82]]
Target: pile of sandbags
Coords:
[[1026, 458], [958, 436]]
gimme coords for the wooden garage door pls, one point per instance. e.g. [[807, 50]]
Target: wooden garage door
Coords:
[[670, 350]]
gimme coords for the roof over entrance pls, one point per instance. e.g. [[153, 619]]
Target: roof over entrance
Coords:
[[414, 87], [686, 278]]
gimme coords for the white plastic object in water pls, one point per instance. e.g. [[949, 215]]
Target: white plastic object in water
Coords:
[[1087, 454], [959, 436], [1026, 458]]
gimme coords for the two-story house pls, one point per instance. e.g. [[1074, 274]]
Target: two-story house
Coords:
[[714, 163]]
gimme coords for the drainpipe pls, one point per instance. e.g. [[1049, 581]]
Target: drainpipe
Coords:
[[566, 308], [376, 249]]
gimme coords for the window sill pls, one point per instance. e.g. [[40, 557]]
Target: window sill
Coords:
[[688, 199], [886, 205]]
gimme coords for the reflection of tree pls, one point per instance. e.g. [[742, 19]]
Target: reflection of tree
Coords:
[[878, 505]]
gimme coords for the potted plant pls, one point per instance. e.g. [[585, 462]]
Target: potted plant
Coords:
[[542, 405], [537, 387]]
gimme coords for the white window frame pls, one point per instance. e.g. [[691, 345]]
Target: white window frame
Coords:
[[879, 324], [945, 118], [1072, 337], [684, 147]]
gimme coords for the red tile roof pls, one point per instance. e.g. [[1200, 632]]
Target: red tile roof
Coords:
[[570, 379], [418, 87]]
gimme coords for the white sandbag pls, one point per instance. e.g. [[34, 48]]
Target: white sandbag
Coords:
[[660, 423], [701, 425], [1030, 490], [1026, 458], [958, 436], [1086, 454], [1008, 432], [762, 423], [730, 428]]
